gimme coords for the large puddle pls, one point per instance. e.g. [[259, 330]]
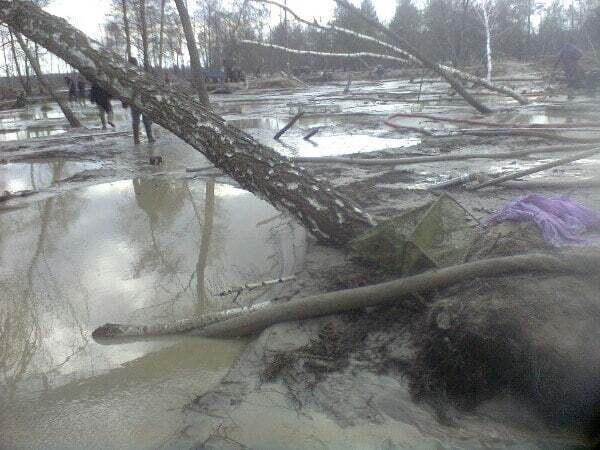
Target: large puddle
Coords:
[[337, 135], [138, 251], [45, 120], [16, 177]]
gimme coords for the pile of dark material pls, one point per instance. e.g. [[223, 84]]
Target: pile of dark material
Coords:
[[533, 337]]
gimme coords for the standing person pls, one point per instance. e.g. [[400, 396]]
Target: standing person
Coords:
[[569, 57], [72, 89], [135, 118], [102, 99], [81, 89]]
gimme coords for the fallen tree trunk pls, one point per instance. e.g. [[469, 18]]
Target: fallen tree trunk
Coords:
[[390, 292], [328, 215], [485, 132], [412, 55], [115, 330], [416, 54], [356, 55], [422, 159], [484, 123], [541, 167], [568, 184], [435, 158]]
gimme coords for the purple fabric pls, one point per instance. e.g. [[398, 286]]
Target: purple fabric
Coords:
[[560, 220]]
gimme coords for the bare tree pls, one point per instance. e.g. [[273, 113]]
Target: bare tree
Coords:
[[161, 37], [126, 28], [24, 83], [143, 26], [488, 41], [197, 77], [44, 85]]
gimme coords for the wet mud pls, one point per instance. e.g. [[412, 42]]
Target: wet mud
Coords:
[[107, 237]]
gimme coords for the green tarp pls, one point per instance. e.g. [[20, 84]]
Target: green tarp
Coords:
[[437, 234]]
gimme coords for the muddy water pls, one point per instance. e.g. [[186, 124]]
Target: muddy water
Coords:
[[39, 121], [338, 135], [138, 251], [32, 176]]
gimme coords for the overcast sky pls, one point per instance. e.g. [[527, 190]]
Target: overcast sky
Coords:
[[88, 15]]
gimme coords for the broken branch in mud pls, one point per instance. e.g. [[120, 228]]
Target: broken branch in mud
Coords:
[[521, 173], [311, 133], [260, 284], [484, 123], [485, 132], [419, 130], [7, 195], [547, 135], [427, 158], [289, 125], [255, 167], [248, 322], [553, 184], [456, 181]]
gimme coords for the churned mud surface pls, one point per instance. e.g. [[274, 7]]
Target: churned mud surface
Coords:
[[95, 234]]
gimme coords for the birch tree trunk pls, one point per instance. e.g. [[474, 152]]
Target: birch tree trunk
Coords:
[[126, 28], [44, 85], [13, 49], [488, 42], [424, 60], [197, 78], [403, 53], [144, 34], [161, 38], [327, 214]]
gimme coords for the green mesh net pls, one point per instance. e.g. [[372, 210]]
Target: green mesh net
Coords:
[[437, 234]]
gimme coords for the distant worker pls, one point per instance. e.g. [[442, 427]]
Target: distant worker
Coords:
[[101, 98], [21, 101], [81, 88], [135, 118], [72, 89], [569, 57]]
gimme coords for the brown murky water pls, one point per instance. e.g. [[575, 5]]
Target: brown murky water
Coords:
[[39, 121], [148, 250], [32, 176], [135, 251]]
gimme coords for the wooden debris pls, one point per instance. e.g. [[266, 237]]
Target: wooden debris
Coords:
[[246, 322], [521, 173], [252, 286], [289, 125], [311, 133]]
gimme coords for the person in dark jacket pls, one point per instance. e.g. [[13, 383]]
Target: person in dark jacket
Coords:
[[135, 118], [101, 98], [72, 89], [569, 57], [81, 89]]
